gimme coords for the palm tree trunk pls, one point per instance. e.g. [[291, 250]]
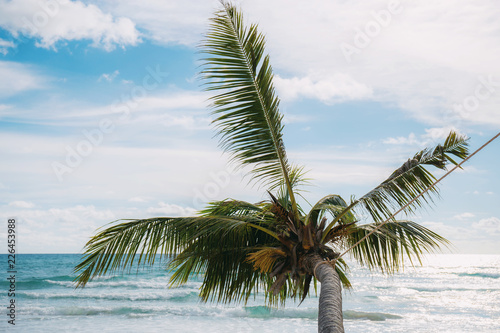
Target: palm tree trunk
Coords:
[[330, 318]]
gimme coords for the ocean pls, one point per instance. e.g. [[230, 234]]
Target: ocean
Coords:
[[449, 293]]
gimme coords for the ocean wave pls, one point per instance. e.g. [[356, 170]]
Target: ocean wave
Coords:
[[177, 297], [157, 283], [207, 311], [38, 283], [448, 289], [87, 311], [481, 275], [52, 281], [133, 310], [261, 311], [373, 316], [312, 313]]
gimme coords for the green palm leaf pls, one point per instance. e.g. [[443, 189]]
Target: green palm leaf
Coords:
[[231, 207], [407, 182], [412, 178], [335, 205], [342, 270], [248, 119], [137, 242], [389, 246], [221, 257]]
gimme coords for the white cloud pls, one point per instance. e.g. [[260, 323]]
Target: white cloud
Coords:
[[53, 230], [463, 216], [451, 233], [138, 199], [182, 109], [57, 21], [412, 63], [16, 78], [21, 204], [336, 89], [335, 166], [131, 163], [410, 140], [171, 210], [347, 174], [109, 77], [491, 225], [161, 101], [5, 45], [177, 22], [432, 136], [178, 100], [438, 133], [67, 229], [80, 213]]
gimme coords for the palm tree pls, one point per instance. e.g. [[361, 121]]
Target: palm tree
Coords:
[[273, 246]]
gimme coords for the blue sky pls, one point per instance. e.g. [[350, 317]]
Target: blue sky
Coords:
[[102, 116]]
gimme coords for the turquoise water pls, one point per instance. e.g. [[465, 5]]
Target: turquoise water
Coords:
[[450, 293]]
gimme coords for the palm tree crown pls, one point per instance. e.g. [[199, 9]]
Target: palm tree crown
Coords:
[[271, 246]]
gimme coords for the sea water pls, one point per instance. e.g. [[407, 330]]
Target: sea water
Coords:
[[449, 293]]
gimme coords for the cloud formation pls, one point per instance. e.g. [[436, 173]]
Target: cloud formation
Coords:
[[166, 22], [408, 59], [5, 45], [16, 78], [332, 90], [21, 204], [166, 209], [108, 76], [490, 224], [429, 58], [431, 136], [56, 21]]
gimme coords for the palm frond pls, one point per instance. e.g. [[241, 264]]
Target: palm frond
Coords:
[[342, 270], [388, 247], [407, 182], [343, 218], [116, 247], [236, 208], [231, 207], [120, 246], [221, 254], [298, 181], [248, 119], [333, 204], [227, 277], [412, 178], [264, 259]]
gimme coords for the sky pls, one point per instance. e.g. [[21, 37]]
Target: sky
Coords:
[[103, 115]]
